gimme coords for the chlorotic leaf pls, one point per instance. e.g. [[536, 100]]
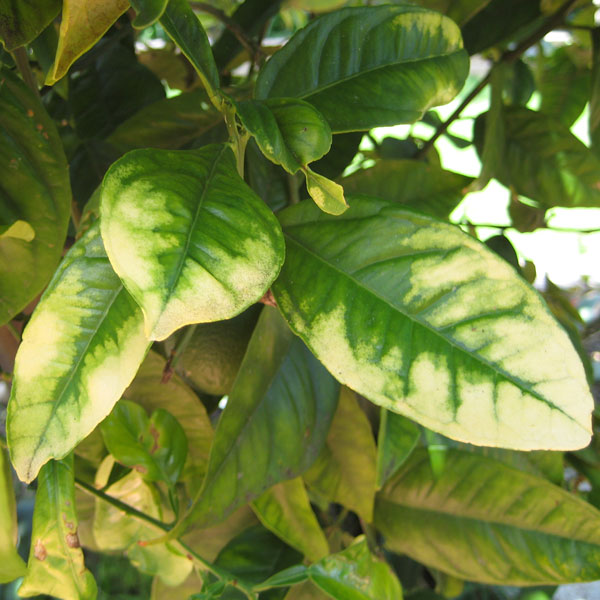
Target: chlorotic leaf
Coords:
[[274, 425], [83, 23], [285, 510], [426, 321], [327, 195], [35, 203], [80, 350], [21, 22], [148, 12], [201, 247], [11, 564], [56, 564], [364, 67], [482, 520]]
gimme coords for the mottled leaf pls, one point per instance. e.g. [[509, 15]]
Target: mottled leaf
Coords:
[[202, 247], [328, 195], [21, 21], [363, 67], [426, 321], [80, 350]]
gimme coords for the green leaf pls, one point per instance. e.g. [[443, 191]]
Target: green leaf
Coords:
[[83, 23], [160, 590], [22, 21], [184, 28], [202, 248], [285, 510], [544, 161], [155, 447], [594, 118], [345, 470], [148, 12], [355, 574], [290, 576], [80, 350], [148, 390], [328, 195], [274, 425], [482, 520], [11, 564], [413, 183], [35, 192], [364, 67], [426, 321], [55, 564], [459, 11], [398, 437], [290, 132], [168, 124]]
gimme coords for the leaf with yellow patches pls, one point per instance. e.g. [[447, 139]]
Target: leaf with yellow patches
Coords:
[[328, 195], [80, 350], [426, 321]]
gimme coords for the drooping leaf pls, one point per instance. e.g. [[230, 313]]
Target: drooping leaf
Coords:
[[80, 350], [328, 195], [155, 446], [202, 247], [424, 320], [274, 425], [345, 470], [22, 21], [364, 67], [355, 574], [148, 12], [56, 564], [413, 183], [83, 23], [35, 192], [11, 564], [398, 437], [544, 161], [285, 510], [482, 520]]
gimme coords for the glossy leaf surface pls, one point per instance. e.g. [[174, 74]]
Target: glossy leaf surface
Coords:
[[369, 66], [11, 564], [36, 197], [426, 321], [201, 247], [285, 510], [22, 21], [80, 350], [345, 470], [55, 564], [489, 522], [275, 422], [83, 23], [148, 12]]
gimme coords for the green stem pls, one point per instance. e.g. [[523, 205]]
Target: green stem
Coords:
[[3, 442], [238, 139], [22, 62]]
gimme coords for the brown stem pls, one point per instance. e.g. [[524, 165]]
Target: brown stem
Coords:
[[22, 62]]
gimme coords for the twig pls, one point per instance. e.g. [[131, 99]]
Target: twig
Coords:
[[22, 62], [180, 346], [13, 331]]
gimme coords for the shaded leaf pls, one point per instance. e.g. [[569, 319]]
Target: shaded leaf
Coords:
[[285, 510], [424, 320], [363, 67], [519, 83], [594, 118], [459, 11], [55, 564], [35, 192], [22, 21], [489, 522], [181, 592], [202, 248], [80, 350], [268, 180], [148, 11], [344, 147]]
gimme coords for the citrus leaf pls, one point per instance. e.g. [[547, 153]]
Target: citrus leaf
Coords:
[[355, 574], [22, 21], [290, 576], [35, 191], [345, 470], [203, 247], [148, 12], [426, 321], [55, 564], [327, 195], [156, 447], [274, 425], [594, 118], [364, 67], [83, 23], [11, 564], [285, 510], [80, 350], [460, 11], [413, 183], [482, 520]]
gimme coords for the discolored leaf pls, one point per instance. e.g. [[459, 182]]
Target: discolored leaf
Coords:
[[424, 320], [328, 195], [80, 350], [55, 565], [363, 67], [22, 21], [36, 197], [202, 247]]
